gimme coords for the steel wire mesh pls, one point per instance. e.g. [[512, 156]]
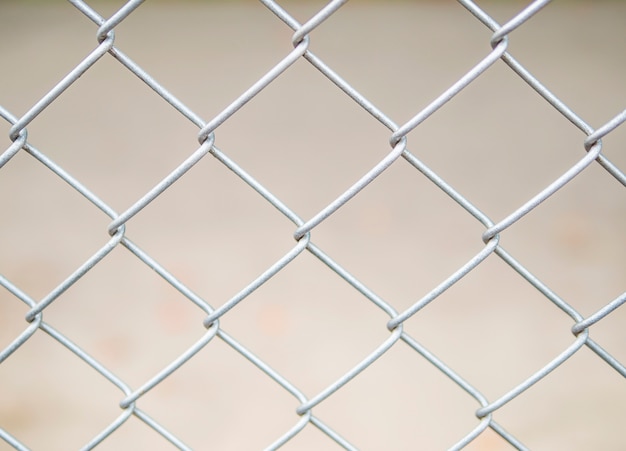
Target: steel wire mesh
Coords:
[[399, 317]]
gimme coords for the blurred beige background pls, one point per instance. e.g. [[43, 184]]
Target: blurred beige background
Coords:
[[498, 143]]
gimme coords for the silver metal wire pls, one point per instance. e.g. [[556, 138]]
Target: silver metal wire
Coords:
[[214, 311]]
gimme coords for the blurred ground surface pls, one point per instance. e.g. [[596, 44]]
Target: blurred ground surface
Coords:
[[497, 143]]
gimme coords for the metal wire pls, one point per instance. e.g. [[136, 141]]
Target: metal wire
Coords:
[[130, 397]]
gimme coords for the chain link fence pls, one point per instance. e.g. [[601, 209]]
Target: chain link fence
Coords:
[[314, 271]]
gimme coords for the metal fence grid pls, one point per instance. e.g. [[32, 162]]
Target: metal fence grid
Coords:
[[399, 320]]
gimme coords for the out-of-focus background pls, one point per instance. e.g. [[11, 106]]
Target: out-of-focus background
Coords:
[[498, 143]]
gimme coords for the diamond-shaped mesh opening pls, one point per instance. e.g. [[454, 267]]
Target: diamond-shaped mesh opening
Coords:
[[320, 157], [123, 293], [45, 53], [557, 406], [140, 148], [197, 398], [43, 244], [580, 229], [492, 301], [305, 300], [497, 153], [415, 37], [571, 75], [391, 234], [428, 408], [82, 398], [204, 226], [202, 82]]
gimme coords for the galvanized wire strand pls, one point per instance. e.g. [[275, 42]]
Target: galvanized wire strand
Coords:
[[169, 369], [256, 186], [263, 82], [166, 275], [362, 101], [608, 358], [353, 281], [537, 376], [524, 73], [104, 372], [65, 83], [469, 389], [264, 367], [565, 111], [329, 72], [479, 429], [603, 312], [445, 369], [348, 194], [80, 272], [256, 283], [332, 434], [59, 171], [160, 187], [348, 376], [108, 430], [282, 14], [443, 286], [545, 193], [161, 430], [581, 324], [453, 90], [88, 11], [508, 437], [290, 433], [15, 443], [276, 377]]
